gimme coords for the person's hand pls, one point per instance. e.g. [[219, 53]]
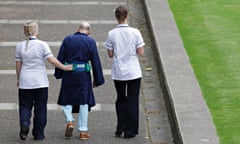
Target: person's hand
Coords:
[[94, 85], [68, 67]]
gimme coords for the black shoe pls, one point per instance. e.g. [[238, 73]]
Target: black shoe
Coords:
[[39, 138], [24, 132], [129, 136], [118, 133]]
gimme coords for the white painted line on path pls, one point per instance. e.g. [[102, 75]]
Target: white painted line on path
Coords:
[[8, 106], [50, 43], [97, 107], [22, 21], [61, 3], [51, 106], [49, 72]]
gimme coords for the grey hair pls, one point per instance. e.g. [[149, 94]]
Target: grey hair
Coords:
[[30, 29], [84, 25]]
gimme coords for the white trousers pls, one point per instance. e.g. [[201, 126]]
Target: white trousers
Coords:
[[82, 116]]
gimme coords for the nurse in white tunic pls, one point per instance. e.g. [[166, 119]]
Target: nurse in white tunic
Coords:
[[124, 44]]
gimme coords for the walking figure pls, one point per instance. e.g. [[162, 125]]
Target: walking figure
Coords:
[[124, 44], [79, 49], [32, 80]]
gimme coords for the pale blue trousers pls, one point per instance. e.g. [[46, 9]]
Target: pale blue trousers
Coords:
[[82, 116]]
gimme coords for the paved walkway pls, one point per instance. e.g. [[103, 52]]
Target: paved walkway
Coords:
[[58, 18]]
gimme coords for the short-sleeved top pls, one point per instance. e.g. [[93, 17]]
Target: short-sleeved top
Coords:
[[124, 41], [33, 71]]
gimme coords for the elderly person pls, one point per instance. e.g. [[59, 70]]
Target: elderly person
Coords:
[[32, 80], [77, 87], [124, 44]]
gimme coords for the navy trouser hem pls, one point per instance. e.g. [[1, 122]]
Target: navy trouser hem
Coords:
[[127, 105], [37, 98]]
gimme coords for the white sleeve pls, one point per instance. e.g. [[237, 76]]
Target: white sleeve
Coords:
[[140, 42], [47, 51], [18, 56], [108, 44]]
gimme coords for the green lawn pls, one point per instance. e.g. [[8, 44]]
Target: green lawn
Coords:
[[210, 30]]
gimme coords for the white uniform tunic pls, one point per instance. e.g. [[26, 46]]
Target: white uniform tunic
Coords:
[[33, 72], [124, 41]]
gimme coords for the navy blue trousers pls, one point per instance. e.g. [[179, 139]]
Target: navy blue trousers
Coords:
[[37, 98], [127, 105]]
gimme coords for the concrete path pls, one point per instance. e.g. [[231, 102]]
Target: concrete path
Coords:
[[58, 18]]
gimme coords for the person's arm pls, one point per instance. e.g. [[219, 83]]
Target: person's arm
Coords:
[[139, 44], [58, 64], [110, 53], [18, 69], [140, 51], [109, 46]]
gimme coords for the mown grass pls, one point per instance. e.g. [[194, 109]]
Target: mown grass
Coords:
[[210, 30]]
